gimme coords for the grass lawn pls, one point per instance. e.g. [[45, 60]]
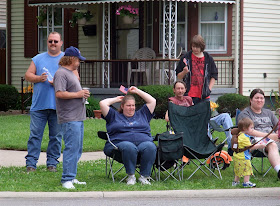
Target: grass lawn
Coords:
[[14, 133], [16, 179]]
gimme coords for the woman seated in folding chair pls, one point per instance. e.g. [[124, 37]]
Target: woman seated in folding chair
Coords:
[[130, 130], [264, 120]]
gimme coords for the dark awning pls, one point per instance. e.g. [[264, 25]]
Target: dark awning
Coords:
[[77, 2]]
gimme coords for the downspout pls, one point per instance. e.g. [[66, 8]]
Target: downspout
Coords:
[[236, 45], [241, 48]]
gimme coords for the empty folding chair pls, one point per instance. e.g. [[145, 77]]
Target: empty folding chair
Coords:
[[169, 155]]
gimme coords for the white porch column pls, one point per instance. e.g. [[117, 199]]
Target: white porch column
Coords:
[[169, 37], [106, 45]]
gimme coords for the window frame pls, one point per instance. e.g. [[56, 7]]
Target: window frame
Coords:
[[225, 22], [53, 27]]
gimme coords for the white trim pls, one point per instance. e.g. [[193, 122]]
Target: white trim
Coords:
[[3, 26], [225, 31], [118, 1]]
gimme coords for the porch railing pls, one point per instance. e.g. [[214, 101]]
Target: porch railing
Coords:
[[113, 73]]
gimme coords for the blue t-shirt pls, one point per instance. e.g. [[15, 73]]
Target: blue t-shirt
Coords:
[[43, 92], [135, 129]]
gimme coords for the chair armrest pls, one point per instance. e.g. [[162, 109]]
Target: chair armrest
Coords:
[[102, 135], [105, 136]]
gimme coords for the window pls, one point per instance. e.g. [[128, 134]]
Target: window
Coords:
[[213, 26], [149, 31], [48, 23]]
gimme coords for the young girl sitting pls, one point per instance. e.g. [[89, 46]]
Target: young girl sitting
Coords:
[[242, 160]]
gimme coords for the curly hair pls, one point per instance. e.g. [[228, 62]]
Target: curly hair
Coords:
[[67, 60]]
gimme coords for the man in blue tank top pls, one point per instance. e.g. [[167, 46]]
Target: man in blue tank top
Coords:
[[43, 109]]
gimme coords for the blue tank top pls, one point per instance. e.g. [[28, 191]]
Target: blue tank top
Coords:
[[43, 92]]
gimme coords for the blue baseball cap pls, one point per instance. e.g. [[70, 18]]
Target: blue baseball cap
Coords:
[[74, 52]]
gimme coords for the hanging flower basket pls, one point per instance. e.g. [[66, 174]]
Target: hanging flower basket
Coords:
[[127, 20], [127, 11]]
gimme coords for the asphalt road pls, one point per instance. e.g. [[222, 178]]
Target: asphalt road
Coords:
[[223, 201]]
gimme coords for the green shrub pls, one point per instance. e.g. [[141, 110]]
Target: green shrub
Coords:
[[93, 105], [8, 97], [161, 93], [230, 102]]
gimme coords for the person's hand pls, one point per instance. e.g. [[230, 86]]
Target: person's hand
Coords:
[[43, 77], [83, 94], [133, 90], [186, 68], [119, 98], [51, 82]]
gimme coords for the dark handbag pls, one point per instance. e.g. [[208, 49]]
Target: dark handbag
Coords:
[[170, 146]]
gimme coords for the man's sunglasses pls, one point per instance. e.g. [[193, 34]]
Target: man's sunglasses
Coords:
[[53, 41]]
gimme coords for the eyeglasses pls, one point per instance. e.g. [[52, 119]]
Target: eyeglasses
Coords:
[[53, 41]]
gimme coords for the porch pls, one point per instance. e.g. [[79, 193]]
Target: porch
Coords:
[[127, 72], [104, 77]]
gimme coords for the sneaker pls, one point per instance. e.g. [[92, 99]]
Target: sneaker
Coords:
[[30, 169], [131, 180], [52, 168], [144, 180], [234, 184], [249, 184], [75, 181], [68, 185]]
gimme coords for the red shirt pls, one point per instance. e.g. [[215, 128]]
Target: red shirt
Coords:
[[186, 102], [197, 76]]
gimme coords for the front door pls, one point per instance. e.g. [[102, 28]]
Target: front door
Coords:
[[126, 44]]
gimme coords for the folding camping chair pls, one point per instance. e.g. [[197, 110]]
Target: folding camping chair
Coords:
[[255, 153], [110, 160], [169, 154], [193, 122]]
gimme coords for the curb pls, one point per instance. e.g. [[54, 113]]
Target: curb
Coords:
[[214, 193]]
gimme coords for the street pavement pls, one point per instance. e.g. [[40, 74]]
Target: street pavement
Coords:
[[16, 158]]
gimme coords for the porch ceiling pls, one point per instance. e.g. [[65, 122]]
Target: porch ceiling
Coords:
[[77, 2]]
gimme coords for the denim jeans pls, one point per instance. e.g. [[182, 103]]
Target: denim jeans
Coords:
[[225, 120], [73, 134], [147, 151], [38, 122]]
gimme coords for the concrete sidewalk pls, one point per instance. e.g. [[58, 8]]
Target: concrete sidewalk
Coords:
[[10, 158]]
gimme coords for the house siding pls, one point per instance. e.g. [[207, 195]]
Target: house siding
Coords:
[[2, 13], [261, 45], [19, 64]]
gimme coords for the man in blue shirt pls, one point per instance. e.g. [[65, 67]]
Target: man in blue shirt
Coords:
[[43, 109]]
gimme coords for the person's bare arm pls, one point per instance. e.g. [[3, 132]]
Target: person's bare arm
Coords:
[[211, 83], [166, 116], [150, 101], [72, 95], [31, 76], [106, 103]]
